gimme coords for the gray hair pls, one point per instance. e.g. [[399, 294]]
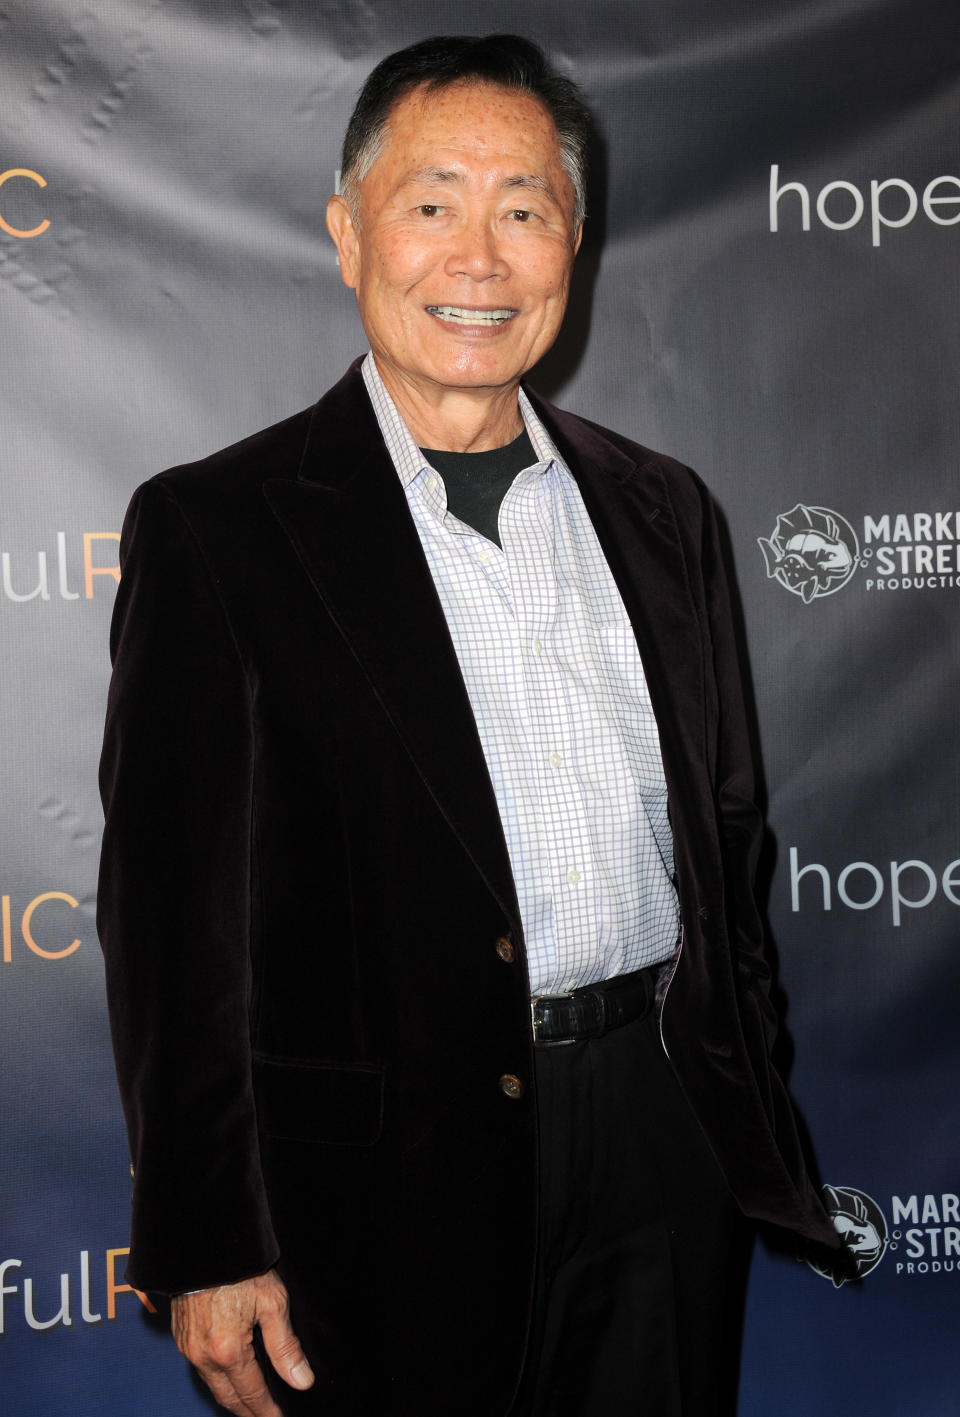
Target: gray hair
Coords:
[[506, 60]]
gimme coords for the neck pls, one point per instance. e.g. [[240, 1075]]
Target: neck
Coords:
[[454, 420]]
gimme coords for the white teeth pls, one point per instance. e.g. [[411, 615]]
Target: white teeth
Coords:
[[470, 317]]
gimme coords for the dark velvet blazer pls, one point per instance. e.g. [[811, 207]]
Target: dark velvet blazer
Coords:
[[305, 880]]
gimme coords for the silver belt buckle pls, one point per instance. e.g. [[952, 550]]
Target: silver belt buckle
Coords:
[[539, 1042]]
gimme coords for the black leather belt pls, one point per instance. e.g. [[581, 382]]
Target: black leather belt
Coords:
[[594, 1010]]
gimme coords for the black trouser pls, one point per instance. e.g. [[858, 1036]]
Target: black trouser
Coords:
[[642, 1250]]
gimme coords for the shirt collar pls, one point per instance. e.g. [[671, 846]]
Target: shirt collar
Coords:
[[402, 447]]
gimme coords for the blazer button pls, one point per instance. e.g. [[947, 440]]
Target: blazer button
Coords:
[[506, 950], [511, 1085]]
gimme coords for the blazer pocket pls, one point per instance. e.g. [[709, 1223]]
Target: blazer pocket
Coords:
[[338, 1104]]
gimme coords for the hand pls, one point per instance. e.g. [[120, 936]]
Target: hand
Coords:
[[213, 1328]]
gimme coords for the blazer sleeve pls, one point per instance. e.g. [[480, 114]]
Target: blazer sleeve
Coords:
[[740, 819], [174, 910]]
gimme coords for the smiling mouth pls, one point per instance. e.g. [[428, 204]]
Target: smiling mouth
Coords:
[[464, 315]]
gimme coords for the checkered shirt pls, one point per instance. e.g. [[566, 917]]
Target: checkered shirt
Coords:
[[554, 678]]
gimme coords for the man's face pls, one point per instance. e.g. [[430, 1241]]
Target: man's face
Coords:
[[463, 245]]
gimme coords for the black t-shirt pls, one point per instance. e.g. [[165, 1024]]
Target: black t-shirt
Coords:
[[477, 483]]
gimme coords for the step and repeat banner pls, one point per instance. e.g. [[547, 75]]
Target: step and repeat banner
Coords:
[[768, 290]]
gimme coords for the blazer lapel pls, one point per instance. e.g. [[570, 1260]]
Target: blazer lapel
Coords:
[[635, 522], [347, 518]]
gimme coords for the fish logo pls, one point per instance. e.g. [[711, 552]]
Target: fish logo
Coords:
[[811, 551], [862, 1227]]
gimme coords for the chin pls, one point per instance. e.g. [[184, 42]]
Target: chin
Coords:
[[479, 373]]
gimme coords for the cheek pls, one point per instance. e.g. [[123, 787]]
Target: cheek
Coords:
[[400, 264], [554, 288], [548, 275], [562, 271]]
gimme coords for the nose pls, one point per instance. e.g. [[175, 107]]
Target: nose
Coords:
[[476, 252]]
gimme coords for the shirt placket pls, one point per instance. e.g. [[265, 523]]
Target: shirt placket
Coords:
[[564, 870]]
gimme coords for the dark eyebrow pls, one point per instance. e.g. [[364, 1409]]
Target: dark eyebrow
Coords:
[[531, 183], [433, 176], [445, 176]]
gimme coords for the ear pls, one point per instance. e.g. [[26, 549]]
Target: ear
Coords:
[[343, 230]]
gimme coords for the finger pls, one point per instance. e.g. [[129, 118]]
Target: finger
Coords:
[[283, 1348], [241, 1388]]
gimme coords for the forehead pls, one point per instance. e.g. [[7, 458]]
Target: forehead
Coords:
[[475, 123]]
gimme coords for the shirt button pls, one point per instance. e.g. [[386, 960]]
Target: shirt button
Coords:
[[555, 760], [511, 1086], [433, 482], [537, 646], [573, 876], [506, 950], [484, 557]]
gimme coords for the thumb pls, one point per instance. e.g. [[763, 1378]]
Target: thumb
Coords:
[[283, 1349]]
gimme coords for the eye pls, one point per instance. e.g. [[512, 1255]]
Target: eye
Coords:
[[429, 209], [521, 214]]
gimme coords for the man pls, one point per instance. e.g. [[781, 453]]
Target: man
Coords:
[[397, 740]]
